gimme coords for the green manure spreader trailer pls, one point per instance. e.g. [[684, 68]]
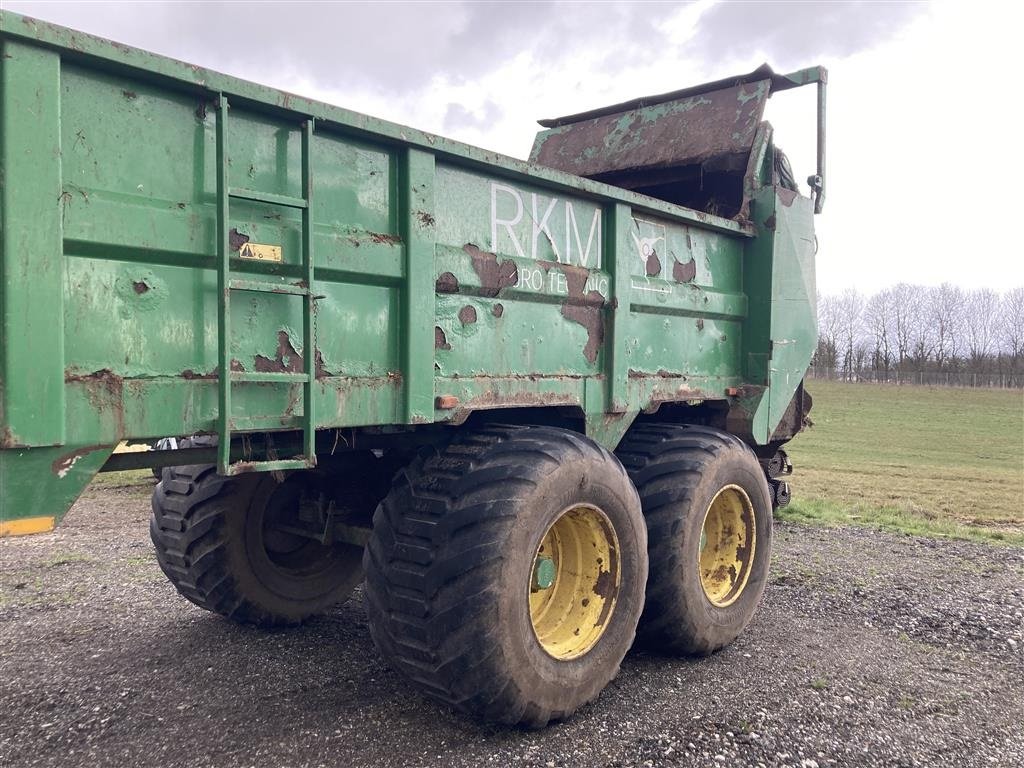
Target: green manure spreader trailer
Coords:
[[536, 408]]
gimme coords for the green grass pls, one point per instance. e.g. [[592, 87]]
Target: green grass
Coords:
[[932, 461], [123, 479]]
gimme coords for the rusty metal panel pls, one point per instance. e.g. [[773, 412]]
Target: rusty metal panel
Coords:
[[716, 126]]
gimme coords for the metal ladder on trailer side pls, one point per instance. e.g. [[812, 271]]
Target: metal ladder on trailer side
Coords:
[[226, 284]]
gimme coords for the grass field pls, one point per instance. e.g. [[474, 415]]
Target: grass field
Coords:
[[935, 460]]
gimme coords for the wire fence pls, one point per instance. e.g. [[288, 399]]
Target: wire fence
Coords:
[[921, 378]]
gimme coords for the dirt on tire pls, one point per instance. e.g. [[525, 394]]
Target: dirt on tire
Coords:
[[449, 564], [869, 649]]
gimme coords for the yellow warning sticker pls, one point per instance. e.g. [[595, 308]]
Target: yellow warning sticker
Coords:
[[260, 252]]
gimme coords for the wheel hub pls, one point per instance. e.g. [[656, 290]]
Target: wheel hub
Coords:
[[574, 582], [543, 573], [727, 541]]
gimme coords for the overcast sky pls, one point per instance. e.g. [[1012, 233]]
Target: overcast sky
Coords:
[[924, 160]]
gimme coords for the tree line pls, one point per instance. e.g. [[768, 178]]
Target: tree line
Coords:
[[908, 329]]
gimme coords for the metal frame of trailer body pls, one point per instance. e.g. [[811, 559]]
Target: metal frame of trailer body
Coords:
[[413, 265]]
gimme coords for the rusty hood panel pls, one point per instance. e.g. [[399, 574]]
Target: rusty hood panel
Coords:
[[688, 130]]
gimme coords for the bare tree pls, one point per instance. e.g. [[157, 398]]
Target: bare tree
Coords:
[[880, 322], [1011, 328], [850, 307], [914, 328], [981, 320], [828, 332], [945, 309], [906, 307]]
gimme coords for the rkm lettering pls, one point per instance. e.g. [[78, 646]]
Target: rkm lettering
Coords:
[[555, 219]]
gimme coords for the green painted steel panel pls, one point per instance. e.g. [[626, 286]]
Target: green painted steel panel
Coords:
[[442, 272], [31, 261]]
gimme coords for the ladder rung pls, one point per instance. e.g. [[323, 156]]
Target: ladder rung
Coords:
[[242, 467], [265, 286], [267, 423], [270, 377], [267, 197]]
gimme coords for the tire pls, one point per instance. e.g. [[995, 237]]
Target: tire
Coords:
[[695, 605], [453, 558], [215, 541], [163, 444]]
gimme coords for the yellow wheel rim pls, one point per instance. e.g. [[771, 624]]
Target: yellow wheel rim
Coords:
[[574, 582], [727, 541]]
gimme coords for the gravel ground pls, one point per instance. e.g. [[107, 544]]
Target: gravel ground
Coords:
[[869, 649]]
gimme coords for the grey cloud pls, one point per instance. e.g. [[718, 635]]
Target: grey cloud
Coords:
[[333, 44], [794, 34], [457, 117], [396, 48]]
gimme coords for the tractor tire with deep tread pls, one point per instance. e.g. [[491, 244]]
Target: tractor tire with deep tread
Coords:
[[212, 544], [679, 471], [449, 568]]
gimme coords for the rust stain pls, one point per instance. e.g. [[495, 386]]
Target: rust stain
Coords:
[[425, 218], [786, 196], [106, 376], [320, 370], [653, 265], [139, 286], [382, 237], [605, 584], [440, 339], [684, 273], [700, 323], [660, 395], [575, 277], [129, 95], [289, 410], [189, 374], [498, 310], [446, 283], [8, 439], [105, 391], [743, 550], [661, 374], [244, 467], [587, 309], [494, 399], [590, 315], [63, 464], [467, 315], [236, 365], [769, 223], [286, 358], [494, 275], [576, 280], [236, 239]]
